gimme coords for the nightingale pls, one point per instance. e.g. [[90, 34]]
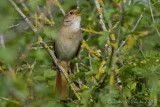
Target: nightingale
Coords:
[[67, 46]]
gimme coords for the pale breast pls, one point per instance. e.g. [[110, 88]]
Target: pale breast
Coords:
[[67, 46]]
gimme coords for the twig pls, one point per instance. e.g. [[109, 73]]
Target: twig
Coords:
[[77, 4], [153, 18], [36, 20], [62, 10], [106, 50], [90, 62], [130, 2], [151, 11], [3, 46], [82, 63], [49, 10], [23, 16], [79, 81], [10, 27], [2, 41], [113, 70], [91, 31], [100, 15], [131, 32], [119, 84], [74, 102], [13, 101], [121, 9], [56, 2], [23, 5], [120, 19]]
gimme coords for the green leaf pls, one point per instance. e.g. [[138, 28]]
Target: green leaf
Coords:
[[50, 32], [39, 78], [85, 97], [7, 55], [103, 38], [49, 73], [133, 86]]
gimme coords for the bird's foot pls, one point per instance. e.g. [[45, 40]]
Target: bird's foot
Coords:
[[59, 61]]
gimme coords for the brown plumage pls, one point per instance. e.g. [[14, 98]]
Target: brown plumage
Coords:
[[67, 46]]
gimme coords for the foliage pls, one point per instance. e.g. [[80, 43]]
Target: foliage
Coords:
[[130, 77]]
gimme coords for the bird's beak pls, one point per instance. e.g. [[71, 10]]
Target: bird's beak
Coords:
[[78, 12]]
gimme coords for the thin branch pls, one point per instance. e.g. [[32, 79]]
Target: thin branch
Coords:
[[100, 15], [49, 10], [77, 4], [23, 16], [90, 62], [35, 15], [131, 32], [79, 81], [106, 50], [23, 5], [121, 10], [82, 63], [91, 31], [13, 101], [130, 2], [153, 18], [151, 11], [62, 10], [2, 41], [10, 27], [74, 102]]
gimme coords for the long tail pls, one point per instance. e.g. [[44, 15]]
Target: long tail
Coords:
[[61, 84]]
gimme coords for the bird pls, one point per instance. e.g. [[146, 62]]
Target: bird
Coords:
[[67, 46]]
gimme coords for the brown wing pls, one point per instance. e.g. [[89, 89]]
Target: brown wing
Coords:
[[76, 55], [78, 50]]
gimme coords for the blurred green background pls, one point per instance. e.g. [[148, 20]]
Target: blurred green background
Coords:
[[27, 74]]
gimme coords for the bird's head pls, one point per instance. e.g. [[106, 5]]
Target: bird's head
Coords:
[[73, 17]]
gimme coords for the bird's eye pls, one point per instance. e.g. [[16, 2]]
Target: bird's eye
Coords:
[[70, 13]]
